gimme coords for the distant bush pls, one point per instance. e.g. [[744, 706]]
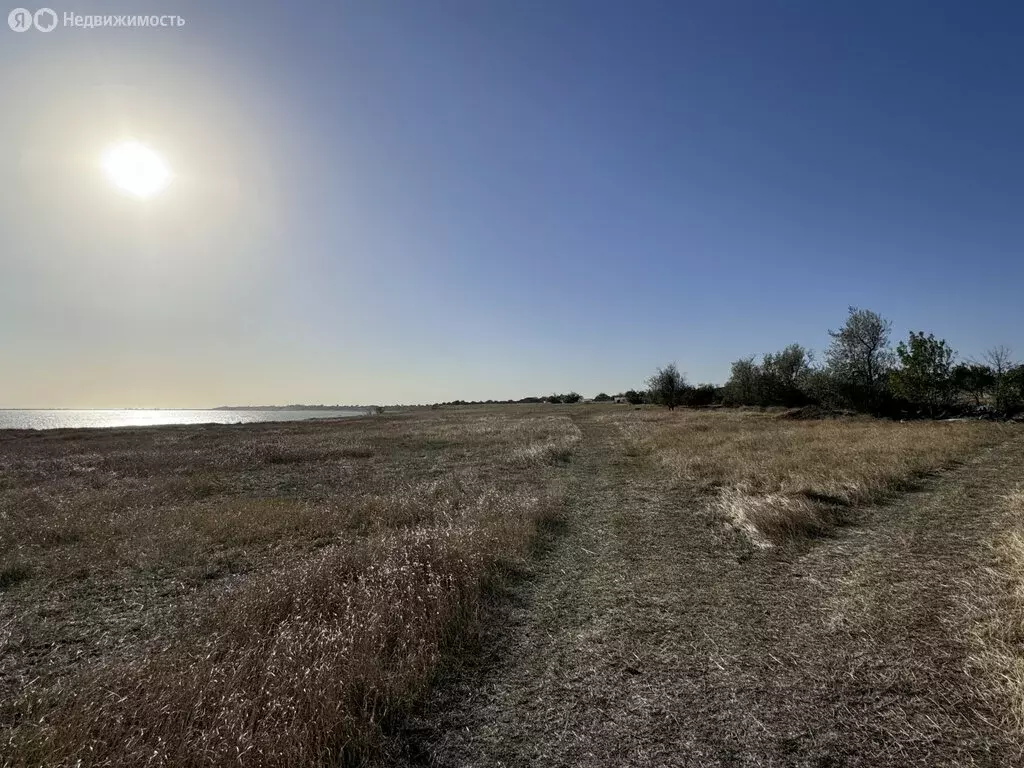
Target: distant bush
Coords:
[[570, 397], [782, 378], [860, 373], [667, 386], [633, 397], [701, 395], [743, 386], [859, 360], [1013, 390], [975, 380], [924, 376]]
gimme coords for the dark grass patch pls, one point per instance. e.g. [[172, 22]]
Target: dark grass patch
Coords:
[[826, 498], [815, 412], [356, 452], [12, 575]]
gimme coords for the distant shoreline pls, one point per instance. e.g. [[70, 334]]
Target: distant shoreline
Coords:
[[218, 408], [287, 408], [87, 418]]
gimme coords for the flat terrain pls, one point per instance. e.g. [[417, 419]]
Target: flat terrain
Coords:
[[656, 636], [603, 586]]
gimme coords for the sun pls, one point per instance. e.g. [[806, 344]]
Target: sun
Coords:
[[136, 169]]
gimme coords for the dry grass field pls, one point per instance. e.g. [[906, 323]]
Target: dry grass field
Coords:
[[271, 594], [291, 594], [998, 627], [780, 476]]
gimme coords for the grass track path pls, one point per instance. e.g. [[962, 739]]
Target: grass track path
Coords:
[[651, 635]]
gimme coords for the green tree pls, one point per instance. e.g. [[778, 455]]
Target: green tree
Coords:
[[859, 358], [667, 386], [572, 397], [784, 375], [603, 397], [1013, 389], [822, 387], [703, 394], [635, 398], [973, 379], [744, 384], [925, 375], [1000, 361]]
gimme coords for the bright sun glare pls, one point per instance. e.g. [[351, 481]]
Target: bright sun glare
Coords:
[[136, 169]]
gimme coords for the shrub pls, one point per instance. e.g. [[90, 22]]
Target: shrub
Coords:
[[636, 398], [924, 377], [667, 386], [701, 395]]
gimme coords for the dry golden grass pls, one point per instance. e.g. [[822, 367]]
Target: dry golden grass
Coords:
[[285, 594], [999, 621], [360, 553], [780, 478], [774, 517], [302, 665]]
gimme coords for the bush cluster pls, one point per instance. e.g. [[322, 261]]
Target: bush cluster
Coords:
[[862, 372]]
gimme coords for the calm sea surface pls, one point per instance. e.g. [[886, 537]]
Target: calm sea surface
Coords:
[[142, 418]]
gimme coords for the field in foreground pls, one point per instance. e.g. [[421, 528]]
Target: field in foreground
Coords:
[[288, 594]]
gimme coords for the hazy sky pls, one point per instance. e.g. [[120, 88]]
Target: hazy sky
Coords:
[[383, 201]]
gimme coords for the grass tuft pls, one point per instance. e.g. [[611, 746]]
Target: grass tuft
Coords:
[[775, 518]]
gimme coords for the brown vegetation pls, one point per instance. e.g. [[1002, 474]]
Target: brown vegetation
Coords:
[[286, 594], [357, 554], [781, 477], [999, 620], [653, 634]]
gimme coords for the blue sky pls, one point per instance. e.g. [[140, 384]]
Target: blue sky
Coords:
[[415, 201]]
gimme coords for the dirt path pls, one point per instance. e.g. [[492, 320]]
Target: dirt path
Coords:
[[654, 636]]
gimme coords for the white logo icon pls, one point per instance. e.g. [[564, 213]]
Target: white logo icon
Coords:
[[22, 19], [45, 19]]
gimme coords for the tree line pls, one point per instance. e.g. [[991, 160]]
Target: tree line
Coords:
[[861, 372], [569, 397]]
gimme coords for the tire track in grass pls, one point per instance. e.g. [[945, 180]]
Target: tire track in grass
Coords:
[[652, 635]]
